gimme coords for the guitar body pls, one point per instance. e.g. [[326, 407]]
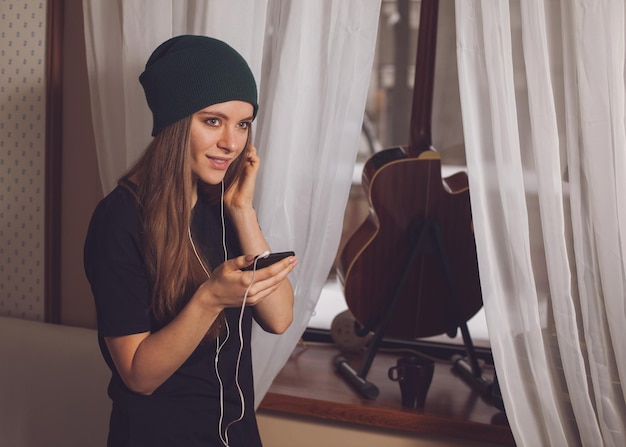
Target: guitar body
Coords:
[[404, 191]]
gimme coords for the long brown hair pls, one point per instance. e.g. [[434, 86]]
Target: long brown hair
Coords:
[[164, 192]]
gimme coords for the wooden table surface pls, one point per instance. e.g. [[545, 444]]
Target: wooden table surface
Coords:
[[308, 385]]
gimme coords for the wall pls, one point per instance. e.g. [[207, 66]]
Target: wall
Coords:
[[22, 157], [22, 163], [281, 430]]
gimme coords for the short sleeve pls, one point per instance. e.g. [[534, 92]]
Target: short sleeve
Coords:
[[115, 266]]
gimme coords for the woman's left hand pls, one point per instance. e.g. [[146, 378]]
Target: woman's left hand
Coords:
[[240, 194]]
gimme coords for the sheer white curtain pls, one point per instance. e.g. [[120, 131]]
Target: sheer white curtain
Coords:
[[312, 61], [542, 93]]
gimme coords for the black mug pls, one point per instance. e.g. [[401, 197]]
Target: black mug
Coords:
[[414, 375]]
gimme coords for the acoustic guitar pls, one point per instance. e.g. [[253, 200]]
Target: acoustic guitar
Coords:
[[407, 196]]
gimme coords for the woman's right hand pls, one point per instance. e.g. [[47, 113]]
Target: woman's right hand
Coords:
[[228, 284]]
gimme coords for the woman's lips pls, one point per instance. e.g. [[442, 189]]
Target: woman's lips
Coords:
[[219, 163]]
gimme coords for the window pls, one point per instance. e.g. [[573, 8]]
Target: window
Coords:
[[387, 124]]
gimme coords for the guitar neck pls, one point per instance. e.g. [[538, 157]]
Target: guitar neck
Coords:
[[421, 112]]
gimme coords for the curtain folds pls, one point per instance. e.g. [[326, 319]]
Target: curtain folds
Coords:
[[312, 61], [542, 94], [315, 82]]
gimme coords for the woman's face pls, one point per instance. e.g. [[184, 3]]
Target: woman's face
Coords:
[[218, 136]]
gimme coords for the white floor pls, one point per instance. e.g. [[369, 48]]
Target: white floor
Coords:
[[332, 302]]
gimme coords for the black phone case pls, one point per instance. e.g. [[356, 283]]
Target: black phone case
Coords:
[[271, 259]]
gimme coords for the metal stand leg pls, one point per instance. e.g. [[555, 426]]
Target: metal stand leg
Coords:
[[368, 389], [469, 371], [426, 236]]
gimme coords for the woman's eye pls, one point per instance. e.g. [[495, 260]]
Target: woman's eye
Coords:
[[213, 122], [244, 124]]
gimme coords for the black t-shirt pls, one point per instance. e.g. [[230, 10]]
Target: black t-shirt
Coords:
[[185, 410]]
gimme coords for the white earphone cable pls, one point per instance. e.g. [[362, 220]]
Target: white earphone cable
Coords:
[[241, 396], [219, 345]]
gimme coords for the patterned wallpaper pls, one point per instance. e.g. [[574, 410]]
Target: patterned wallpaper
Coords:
[[22, 157]]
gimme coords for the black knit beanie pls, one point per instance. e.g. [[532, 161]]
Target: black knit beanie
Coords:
[[187, 73]]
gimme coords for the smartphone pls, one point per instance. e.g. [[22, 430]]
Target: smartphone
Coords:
[[269, 260]]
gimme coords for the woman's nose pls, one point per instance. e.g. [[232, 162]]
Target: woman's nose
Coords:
[[227, 141]]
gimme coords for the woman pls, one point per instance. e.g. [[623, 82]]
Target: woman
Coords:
[[164, 253]]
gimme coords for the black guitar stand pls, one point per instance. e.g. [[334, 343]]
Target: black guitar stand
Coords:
[[426, 238]]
